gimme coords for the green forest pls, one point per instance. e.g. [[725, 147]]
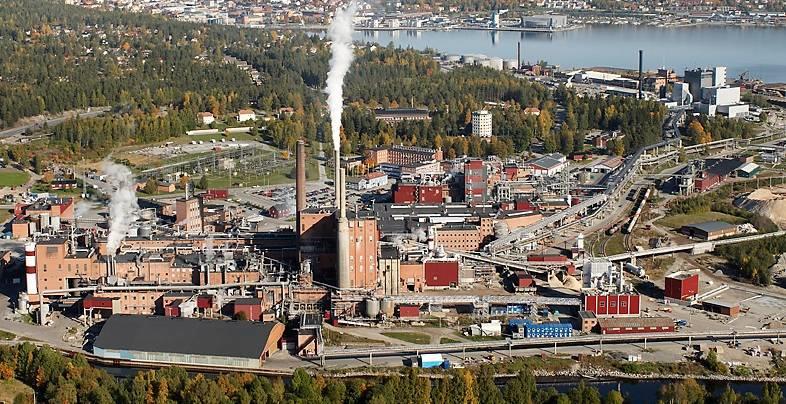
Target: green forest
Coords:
[[62, 380], [157, 74]]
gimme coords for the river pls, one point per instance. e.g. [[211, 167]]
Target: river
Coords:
[[646, 391], [761, 51]]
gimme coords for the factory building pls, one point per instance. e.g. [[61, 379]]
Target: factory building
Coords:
[[613, 304], [547, 165], [698, 79], [401, 155], [635, 325], [441, 274], [475, 181], [709, 231], [390, 270], [408, 193], [188, 341], [720, 307], [189, 215], [681, 285], [393, 115], [550, 22]]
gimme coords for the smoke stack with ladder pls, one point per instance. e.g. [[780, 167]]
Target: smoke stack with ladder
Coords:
[[30, 269]]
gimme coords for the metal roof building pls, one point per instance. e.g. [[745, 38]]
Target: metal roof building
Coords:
[[188, 341], [710, 230]]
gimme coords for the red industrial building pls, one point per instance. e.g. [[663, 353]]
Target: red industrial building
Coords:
[[408, 311], [635, 325], [441, 274], [251, 306], [613, 304], [215, 194], [681, 285], [524, 282], [475, 181], [418, 193]]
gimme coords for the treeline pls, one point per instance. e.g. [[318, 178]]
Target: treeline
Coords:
[[705, 129], [58, 58], [640, 122], [61, 380], [754, 259]]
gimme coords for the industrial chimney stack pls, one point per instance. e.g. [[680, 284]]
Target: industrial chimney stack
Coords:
[[342, 239], [300, 180], [30, 269], [641, 72]]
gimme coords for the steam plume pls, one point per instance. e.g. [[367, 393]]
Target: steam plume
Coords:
[[340, 33], [122, 207]]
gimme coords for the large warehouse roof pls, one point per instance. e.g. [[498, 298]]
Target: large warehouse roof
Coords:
[[237, 339], [710, 227]]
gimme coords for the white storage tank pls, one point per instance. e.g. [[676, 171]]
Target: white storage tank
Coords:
[[388, 307], [372, 307], [496, 63], [510, 64]]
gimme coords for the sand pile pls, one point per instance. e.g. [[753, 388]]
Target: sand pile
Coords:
[[768, 204]]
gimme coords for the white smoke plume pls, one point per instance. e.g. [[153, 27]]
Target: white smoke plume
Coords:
[[122, 206], [340, 33], [82, 208]]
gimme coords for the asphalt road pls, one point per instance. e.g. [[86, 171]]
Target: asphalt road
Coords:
[[53, 122]]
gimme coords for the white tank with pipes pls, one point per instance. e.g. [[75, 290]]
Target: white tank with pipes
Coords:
[[145, 231], [431, 238], [388, 307], [580, 241], [30, 269], [32, 228], [635, 270], [372, 307]]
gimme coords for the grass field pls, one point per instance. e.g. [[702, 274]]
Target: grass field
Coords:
[[411, 337], [482, 337], [677, 221], [9, 389], [446, 340], [10, 177], [7, 336], [334, 338], [4, 215]]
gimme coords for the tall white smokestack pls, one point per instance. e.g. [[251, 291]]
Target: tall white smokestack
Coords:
[[343, 235], [340, 34], [30, 269]]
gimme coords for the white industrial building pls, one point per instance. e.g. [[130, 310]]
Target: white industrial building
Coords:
[[680, 94], [481, 123], [545, 21]]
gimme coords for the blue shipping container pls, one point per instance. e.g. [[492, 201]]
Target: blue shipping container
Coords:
[[548, 330]]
